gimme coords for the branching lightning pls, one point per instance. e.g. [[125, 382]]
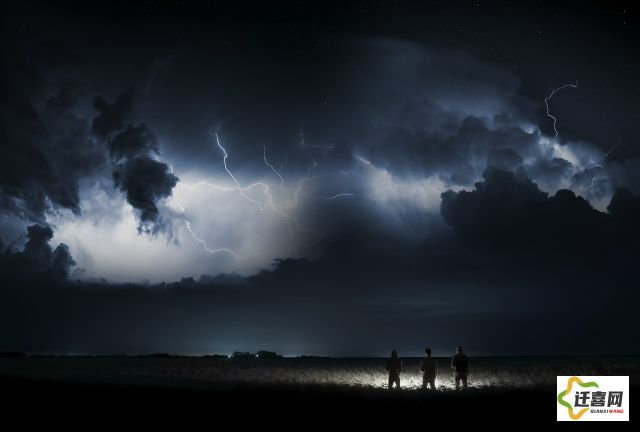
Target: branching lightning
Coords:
[[283, 206], [340, 195], [266, 162], [204, 244], [606, 155], [364, 161], [548, 98], [239, 188], [308, 148], [283, 203], [603, 164]]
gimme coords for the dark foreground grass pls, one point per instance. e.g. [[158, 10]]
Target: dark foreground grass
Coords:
[[280, 406], [47, 393]]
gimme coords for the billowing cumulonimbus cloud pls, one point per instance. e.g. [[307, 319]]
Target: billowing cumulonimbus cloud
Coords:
[[38, 259], [413, 122], [134, 141], [419, 112], [112, 117], [45, 147], [136, 173], [145, 181], [61, 262], [508, 211], [37, 249]]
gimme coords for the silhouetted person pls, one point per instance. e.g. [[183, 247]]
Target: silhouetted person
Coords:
[[429, 369], [394, 366], [460, 363]]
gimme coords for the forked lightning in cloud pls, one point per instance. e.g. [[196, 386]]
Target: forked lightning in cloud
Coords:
[[340, 195], [289, 199], [276, 172], [613, 147], [270, 203], [204, 244], [548, 98], [239, 188], [306, 147], [606, 155]]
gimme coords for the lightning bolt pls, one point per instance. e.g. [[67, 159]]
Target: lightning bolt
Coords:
[[291, 196], [604, 163], [239, 188], [606, 155], [613, 147], [204, 244], [266, 162], [271, 204], [314, 162], [548, 98], [340, 195], [263, 205], [363, 160]]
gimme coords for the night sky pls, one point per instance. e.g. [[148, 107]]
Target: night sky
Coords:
[[327, 178]]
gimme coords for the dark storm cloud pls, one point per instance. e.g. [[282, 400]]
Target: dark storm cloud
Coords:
[[45, 146], [143, 180], [112, 117], [135, 141], [510, 211], [551, 172], [504, 159], [406, 106], [412, 109], [625, 213], [64, 99], [38, 260], [558, 245], [49, 144], [37, 248], [61, 262], [626, 174], [459, 155]]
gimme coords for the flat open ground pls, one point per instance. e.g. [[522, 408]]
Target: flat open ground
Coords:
[[353, 388]]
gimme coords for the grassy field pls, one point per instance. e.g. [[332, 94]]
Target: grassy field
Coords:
[[203, 372], [278, 392]]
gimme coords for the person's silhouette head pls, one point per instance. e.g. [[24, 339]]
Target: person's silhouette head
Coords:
[[427, 351], [394, 354], [459, 349]]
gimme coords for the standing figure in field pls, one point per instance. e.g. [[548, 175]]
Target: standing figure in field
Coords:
[[394, 367], [429, 369], [460, 364]]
